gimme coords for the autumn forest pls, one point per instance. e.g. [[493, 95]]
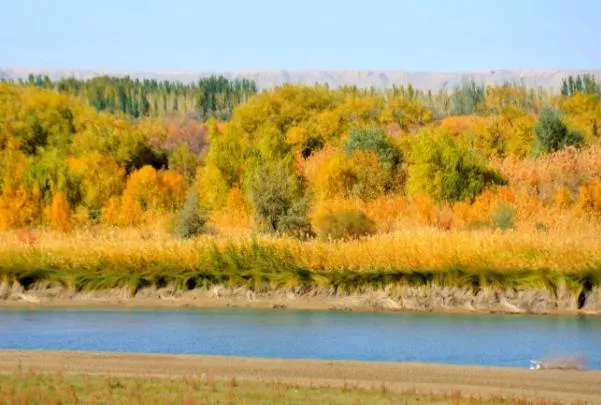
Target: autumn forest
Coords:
[[498, 179]]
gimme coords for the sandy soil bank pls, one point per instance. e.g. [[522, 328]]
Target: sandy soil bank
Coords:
[[560, 385], [414, 299]]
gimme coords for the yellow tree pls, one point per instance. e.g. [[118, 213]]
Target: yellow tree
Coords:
[[100, 178], [60, 215], [19, 208], [172, 190], [583, 112], [362, 109], [212, 187], [143, 187], [333, 177], [409, 115]]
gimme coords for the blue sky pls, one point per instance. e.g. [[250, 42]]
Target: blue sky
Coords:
[[197, 35]]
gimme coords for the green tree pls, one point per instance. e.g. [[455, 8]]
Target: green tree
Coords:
[[445, 171], [183, 161], [373, 139], [33, 135], [99, 178], [133, 150], [551, 133], [191, 220], [278, 199], [49, 173]]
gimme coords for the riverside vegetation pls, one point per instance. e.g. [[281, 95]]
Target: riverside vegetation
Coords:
[[302, 189]]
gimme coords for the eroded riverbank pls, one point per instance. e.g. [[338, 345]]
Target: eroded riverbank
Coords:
[[427, 298]]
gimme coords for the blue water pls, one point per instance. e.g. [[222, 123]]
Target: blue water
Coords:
[[460, 339]]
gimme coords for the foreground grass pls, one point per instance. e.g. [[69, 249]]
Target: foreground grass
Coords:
[[33, 388], [108, 259]]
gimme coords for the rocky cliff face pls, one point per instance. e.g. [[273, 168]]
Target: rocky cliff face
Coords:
[[550, 79]]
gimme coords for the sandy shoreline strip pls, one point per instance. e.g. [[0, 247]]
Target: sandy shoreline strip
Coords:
[[559, 385]]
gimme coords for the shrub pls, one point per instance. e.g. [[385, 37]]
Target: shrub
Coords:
[[445, 171], [359, 175], [589, 199], [345, 225], [503, 217], [563, 197], [190, 221], [384, 211], [369, 167], [425, 209], [367, 178], [552, 134], [122, 211], [444, 221], [235, 216]]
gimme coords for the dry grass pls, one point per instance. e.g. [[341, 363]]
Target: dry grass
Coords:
[[100, 258], [418, 248], [433, 249], [32, 387]]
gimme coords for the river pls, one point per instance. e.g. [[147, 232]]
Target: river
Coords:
[[495, 340]]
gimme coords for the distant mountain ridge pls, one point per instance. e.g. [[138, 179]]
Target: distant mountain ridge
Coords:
[[549, 79]]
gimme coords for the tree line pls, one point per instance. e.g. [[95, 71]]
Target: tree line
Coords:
[[213, 96]]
